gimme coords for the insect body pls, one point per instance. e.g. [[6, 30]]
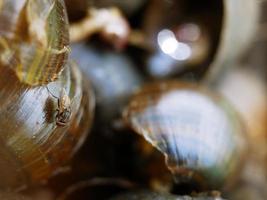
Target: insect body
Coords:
[[64, 109]]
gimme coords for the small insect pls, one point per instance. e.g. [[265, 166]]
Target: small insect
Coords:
[[64, 108]]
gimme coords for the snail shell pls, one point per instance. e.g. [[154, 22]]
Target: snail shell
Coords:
[[233, 13], [96, 188], [33, 146], [191, 47], [149, 195], [12, 196], [34, 39], [113, 77], [200, 135], [218, 19]]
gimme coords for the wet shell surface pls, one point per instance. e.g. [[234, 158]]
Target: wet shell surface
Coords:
[[33, 146], [199, 133], [34, 39]]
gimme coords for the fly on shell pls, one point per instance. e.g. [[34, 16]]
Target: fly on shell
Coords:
[[64, 108]]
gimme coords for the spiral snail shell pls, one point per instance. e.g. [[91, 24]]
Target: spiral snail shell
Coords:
[[33, 146], [198, 133], [34, 39]]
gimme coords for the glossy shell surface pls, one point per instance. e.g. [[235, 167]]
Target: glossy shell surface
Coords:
[[33, 146], [199, 134], [34, 39]]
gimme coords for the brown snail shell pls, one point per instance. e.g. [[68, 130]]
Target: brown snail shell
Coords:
[[33, 146], [150, 195], [199, 134], [34, 39], [12, 196], [38, 193]]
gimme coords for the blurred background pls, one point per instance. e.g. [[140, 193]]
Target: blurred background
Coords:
[[130, 54]]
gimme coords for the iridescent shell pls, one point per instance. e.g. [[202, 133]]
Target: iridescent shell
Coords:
[[200, 135], [34, 39]]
